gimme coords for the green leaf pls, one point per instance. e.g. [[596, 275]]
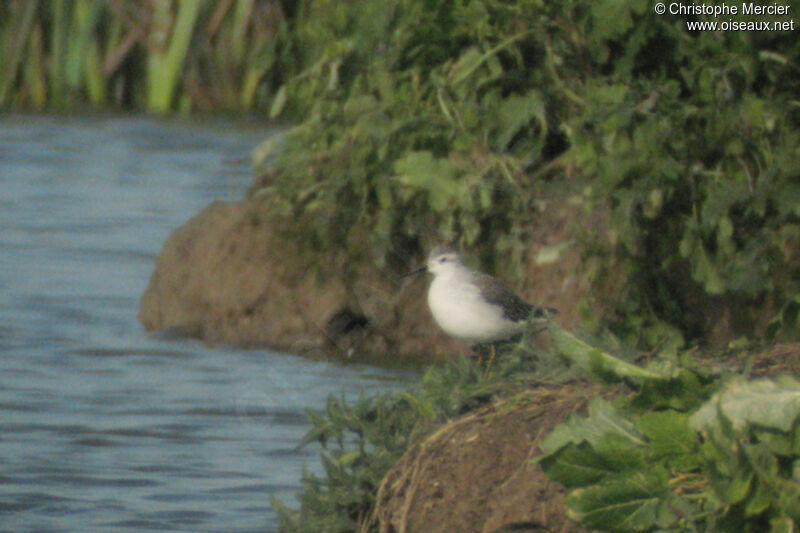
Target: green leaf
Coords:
[[786, 319], [594, 360], [516, 112], [706, 272], [581, 465], [732, 489], [436, 176], [759, 501], [768, 403], [779, 443], [578, 466], [278, 103], [610, 18], [602, 420], [670, 437], [782, 524], [630, 503], [465, 65], [685, 392]]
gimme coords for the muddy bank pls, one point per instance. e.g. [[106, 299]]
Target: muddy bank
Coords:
[[230, 275], [476, 474]]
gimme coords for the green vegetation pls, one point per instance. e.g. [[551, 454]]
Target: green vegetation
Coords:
[[363, 440], [681, 449], [457, 120], [674, 457], [162, 55]]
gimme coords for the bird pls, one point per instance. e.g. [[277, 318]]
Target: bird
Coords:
[[473, 306]]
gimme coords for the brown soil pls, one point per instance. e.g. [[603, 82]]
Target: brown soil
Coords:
[[229, 276], [475, 473]]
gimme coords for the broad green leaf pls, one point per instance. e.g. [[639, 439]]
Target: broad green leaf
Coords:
[[764, 402], [670, 438], [759, 501], [788, 497], [684, 392], [630, 503], [610, 18], [595, 360], [778, 442], [581, 465], [732, 489], [602, 420], [577, 466]]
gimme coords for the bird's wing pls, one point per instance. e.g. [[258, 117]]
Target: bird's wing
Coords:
[[514, 307]]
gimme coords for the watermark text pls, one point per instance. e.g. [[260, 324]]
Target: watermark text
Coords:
[[723, 17]]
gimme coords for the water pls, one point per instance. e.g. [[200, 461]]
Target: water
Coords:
[[102, 426]]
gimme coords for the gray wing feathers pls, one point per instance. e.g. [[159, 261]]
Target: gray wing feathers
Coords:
[[514, 307]]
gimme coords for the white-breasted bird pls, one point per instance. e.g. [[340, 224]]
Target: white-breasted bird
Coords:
[[473, 306]]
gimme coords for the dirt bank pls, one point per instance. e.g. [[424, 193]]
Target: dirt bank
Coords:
[[230, 275], [475, 473]]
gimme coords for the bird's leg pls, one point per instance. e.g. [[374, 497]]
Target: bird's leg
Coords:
[[493, 349], [478, 349]]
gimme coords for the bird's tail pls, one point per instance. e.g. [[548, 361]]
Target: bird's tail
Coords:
[[540, 314]]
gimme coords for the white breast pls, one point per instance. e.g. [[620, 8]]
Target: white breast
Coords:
[[460, 311]]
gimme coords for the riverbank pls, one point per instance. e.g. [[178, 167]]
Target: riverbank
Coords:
[[530, 448]]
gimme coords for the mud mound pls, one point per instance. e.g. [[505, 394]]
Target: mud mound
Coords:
[[475, 473], [230, 276]]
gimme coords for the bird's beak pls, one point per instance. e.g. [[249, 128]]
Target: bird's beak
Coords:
[[423, 268]]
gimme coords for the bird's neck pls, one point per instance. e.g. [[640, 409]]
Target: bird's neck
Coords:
[[454, 273]]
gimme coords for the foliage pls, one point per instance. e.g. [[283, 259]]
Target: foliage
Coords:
[[450, 120], [600, 363], [684, 450], [430, 132], [698, 462], [160, 55], [696, 149], [361, 440]]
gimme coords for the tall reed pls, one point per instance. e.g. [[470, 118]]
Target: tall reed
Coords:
[[158, 55]]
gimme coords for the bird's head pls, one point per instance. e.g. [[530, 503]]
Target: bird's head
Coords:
[[441, 258]]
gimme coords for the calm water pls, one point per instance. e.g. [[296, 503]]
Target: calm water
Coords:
[[103, 427]]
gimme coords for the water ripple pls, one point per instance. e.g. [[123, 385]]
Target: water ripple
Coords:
[[103, 426]]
